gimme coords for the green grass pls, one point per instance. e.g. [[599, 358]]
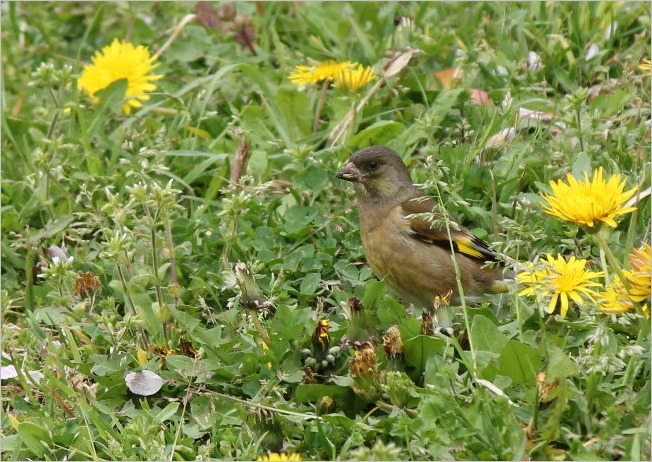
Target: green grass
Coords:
[[145, 204]]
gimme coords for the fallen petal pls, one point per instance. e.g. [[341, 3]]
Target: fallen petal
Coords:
[[144, 383]]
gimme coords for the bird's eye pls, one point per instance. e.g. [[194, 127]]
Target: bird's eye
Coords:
[[373, 165]]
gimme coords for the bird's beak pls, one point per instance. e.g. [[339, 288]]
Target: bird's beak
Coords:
[[349, 173]]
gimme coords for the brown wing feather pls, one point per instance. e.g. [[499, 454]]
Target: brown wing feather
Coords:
[[434, 232]]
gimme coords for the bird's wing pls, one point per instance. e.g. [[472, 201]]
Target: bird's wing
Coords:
[[433, 230]]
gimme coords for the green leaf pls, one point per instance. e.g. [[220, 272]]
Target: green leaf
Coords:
[[443, 105], [143, 304], [418, 349], [582, 165], [390, 312], [311, 393], [610, 105], [520, 362], [486, 336], [36, 438], [183, 365], [251, 387], [315, 177], [167, 412], [310, 283], [296, 109], [380, 132], [560, 365], [113, 96]]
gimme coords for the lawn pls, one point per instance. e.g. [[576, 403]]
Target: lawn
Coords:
[[183, 276]]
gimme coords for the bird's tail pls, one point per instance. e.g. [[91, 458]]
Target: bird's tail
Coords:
[[502, 285]]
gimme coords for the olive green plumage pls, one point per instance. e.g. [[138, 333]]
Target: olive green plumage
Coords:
[[411, 252]]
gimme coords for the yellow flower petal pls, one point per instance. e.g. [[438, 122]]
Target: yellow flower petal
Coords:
[[354, 79], [280, 456], [638, 277], [323, 70], [121, 60], [589, 201], [560, 279]]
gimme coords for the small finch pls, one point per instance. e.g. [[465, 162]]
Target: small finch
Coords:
[[413, 253]]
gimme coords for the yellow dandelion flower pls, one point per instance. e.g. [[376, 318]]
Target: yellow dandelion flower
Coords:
[[639, 276], [561, 280], [615, 299], [280, 456], [323, 70], [121, 60], [645, 66], [587, 202], [354, 79]]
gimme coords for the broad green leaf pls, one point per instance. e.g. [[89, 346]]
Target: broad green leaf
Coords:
[[520, 362], [36, 438], [418, 349], [183, 365], [486, 336], [167, 412], [560, 365], [310, 283], [581, 166], [312, 393], [315, 177]]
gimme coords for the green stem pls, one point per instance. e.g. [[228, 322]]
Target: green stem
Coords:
[[460, 289], [615, 264], [173, 264], [123, 281], [157, 282], [260, 329], [29, 280], [592, 380], [579, 126], [320, 104]]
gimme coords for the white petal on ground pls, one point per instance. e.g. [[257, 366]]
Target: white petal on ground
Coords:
[[144, 383], [9, 372]]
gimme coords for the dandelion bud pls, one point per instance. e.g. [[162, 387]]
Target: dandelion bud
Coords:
[[320, 338]]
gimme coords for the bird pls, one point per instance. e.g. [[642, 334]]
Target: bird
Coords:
[[410, 251]]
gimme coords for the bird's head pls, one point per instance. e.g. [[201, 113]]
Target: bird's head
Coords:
[[377, 174]]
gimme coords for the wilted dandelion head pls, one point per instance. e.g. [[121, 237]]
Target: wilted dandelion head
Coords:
[[561, 280], [86, 283], [645, 66], [589, 201], [121, 60], [363, 363], [392, 342]]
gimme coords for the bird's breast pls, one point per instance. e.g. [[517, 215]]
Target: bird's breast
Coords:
[[390, 250]]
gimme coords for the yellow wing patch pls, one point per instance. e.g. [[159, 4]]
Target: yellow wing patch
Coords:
[[465, 246]]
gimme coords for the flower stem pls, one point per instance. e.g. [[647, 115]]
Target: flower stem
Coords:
[[605, 251], [320, 104]]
